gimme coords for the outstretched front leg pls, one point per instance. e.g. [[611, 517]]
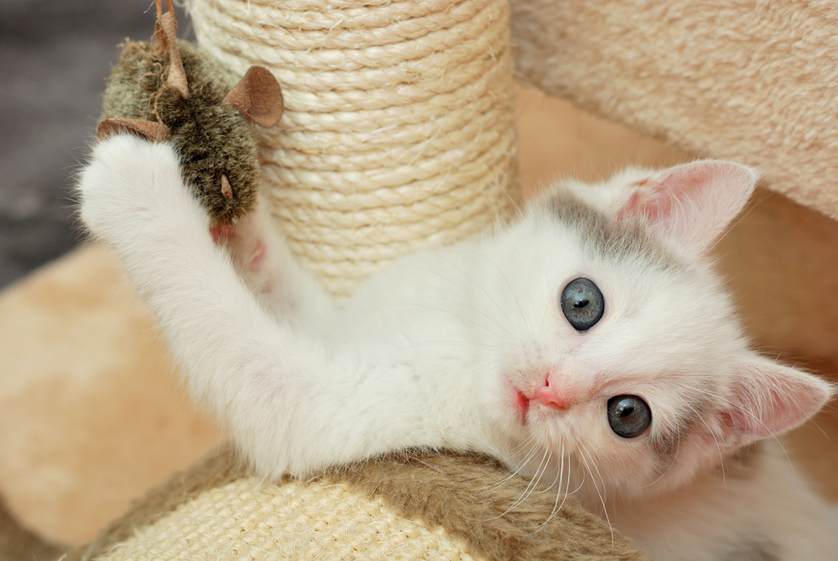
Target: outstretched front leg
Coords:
[[260, 253], [291, 404]]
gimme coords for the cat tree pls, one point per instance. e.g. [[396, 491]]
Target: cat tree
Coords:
[[398, 133]]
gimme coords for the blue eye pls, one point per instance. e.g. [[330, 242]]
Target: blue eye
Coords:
[[628, 415], [582, 303]]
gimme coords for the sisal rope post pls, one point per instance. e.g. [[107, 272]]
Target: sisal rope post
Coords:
[[398, 131]]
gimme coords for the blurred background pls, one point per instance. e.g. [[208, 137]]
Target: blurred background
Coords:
[[56, 55]]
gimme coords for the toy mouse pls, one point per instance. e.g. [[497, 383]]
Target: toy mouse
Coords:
[[173, 91]]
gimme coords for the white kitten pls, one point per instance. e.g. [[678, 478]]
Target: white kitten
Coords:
[[589, 345]]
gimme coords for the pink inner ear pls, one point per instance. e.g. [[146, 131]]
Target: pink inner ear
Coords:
[[759, 416], [652, 206], [655, 199], [691, 204], [769, 400]]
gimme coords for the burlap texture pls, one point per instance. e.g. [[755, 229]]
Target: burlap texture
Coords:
[[409, 507]]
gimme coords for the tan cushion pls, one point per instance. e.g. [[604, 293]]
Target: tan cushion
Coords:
[[409, 507]]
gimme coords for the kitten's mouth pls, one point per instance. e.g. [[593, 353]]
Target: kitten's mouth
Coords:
[[522, 402]]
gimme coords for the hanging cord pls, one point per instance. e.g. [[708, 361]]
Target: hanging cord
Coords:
[[159, 5], [165, 40]]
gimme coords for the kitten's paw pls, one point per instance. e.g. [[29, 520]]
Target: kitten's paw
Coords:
[[133, 186], [247, 244]]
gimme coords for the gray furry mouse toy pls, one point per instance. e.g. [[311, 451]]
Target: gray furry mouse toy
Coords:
[[171, 90]]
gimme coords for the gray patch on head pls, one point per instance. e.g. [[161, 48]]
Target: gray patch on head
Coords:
[[752, 549], [624, 239], [630, 239]]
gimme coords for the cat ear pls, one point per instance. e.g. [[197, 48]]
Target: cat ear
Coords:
[[690, 205], [258, 97], [769, 399], [150, 130]]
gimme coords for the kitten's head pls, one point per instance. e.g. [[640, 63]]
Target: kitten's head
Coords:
[[617, 345]]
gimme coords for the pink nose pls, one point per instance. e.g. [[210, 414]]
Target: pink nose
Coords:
[[550, 396]]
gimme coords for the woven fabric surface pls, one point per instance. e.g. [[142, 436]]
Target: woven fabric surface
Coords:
[[409, 507], [246, 520]]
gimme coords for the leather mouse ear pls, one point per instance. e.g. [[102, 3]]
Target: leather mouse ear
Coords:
[[258, 97], [150, 130]]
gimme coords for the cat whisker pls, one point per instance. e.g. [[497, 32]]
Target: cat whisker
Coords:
[[754, 418], [524, 443], [534, 480], [599, 475], [552, 483], [567, 491], [556, 506], [527, 460], [542, 471], [583, 454]]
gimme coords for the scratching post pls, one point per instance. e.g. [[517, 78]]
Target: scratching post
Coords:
[[398, 130]]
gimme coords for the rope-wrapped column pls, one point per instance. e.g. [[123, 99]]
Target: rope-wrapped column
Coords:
[[398, 130]]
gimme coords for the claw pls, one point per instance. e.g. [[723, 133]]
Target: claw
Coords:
[[226, 190]]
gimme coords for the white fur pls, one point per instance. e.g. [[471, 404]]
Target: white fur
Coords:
[[428, 351]]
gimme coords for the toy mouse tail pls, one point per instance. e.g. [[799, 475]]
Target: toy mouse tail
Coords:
[[20, 544]]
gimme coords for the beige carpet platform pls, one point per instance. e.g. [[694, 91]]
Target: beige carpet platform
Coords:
[[754, 81]]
